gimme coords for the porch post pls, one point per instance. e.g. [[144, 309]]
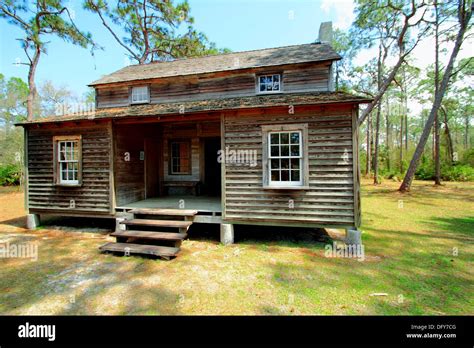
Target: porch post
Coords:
[[353, 236], [32, 221], [227, 234]]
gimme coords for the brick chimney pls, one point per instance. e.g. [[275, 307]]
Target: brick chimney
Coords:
[[325, 33]]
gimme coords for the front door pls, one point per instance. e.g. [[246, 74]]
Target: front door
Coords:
[[152, 168], [212, 170]]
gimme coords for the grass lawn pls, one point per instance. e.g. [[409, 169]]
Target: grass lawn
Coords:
[[418, 251]]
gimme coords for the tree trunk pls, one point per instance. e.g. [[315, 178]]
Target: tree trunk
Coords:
[[449, 139], [32, 94], [376, 147], [436, 151], [401, 138], [377, 120], [369, 146], [464, 15], [387, 131], [466, 132]]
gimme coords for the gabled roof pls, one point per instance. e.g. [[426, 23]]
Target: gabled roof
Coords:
[[306, 53], [236, 103]]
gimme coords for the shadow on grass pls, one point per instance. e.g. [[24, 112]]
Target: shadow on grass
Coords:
[[262, 235], [62, 283]]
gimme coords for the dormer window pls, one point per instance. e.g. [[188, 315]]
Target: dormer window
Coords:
[[269, 83], [140, 95]]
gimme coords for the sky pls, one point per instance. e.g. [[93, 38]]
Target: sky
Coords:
[[235, 24]]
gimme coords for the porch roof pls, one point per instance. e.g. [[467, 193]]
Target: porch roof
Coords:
[[196, 106]]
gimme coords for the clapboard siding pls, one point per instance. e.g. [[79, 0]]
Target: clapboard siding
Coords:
[[314, 78], [94, 195], [329, 200], [112, 97]]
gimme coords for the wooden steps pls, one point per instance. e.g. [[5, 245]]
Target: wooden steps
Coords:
[[129, 248], [150, 235], [158, 223], [144, 241]]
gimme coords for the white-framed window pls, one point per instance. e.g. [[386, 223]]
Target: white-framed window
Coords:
[[269, 83], [68, 160], [285, 156], [140, 94]]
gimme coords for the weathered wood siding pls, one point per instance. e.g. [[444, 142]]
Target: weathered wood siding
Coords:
[[94, 195], [330, 199], [313, 78]]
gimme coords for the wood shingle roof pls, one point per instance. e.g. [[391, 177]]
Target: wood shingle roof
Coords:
[[305, 53]]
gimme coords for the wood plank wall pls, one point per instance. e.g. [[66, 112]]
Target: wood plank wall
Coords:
[[94, 196], [177, 89], [330, 199]]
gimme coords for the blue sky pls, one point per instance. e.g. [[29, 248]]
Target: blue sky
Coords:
[[235, 24]]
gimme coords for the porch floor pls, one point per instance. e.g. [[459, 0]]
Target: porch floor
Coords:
[[203, 204]]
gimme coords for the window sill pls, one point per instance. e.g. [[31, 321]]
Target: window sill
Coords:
[[140, 102], [265, 93], [286, 187], [68, 185]]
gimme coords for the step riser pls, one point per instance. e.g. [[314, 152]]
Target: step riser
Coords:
[[165, 212], [129, 249], [161, 235]]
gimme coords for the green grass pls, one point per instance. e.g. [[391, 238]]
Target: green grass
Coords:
[[410, 251]]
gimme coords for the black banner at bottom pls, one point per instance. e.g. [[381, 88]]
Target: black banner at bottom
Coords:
[[134, 331]]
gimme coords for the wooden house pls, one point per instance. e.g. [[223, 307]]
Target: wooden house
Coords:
[[258, 137]]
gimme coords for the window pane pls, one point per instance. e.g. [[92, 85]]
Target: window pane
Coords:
[[295, 150], [295, 163], [295, 138], [295, 175], [276, 78], [274, 151], [275, 175], [285, 163], [285, 175], [284, 138], [285, 150], [274, 138], [262, 87], [275, 164]]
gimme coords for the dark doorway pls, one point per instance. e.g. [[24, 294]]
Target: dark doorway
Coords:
[[212, 168], [152, 167]]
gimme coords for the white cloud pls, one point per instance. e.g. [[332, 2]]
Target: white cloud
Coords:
[[340, 11]]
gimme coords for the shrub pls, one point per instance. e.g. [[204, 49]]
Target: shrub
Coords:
[[425, 171], [468, 157], [10, 175], [458, 173]]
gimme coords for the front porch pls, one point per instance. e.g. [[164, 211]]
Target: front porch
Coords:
[[209, 208]]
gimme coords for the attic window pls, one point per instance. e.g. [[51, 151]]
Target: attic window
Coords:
[[140, 95], [269, 83]]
